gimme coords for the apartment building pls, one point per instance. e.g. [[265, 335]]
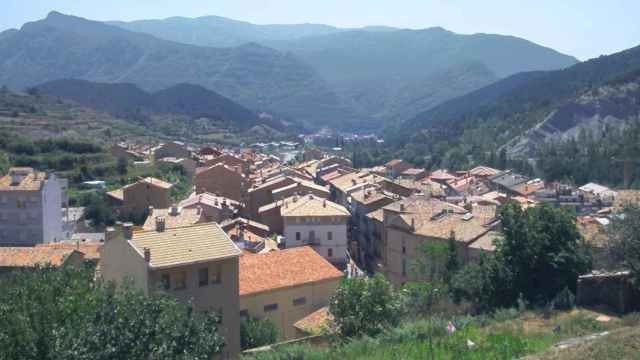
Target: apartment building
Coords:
[[196, 264], [231, 161], [286, 286], [136, 198], [310, 220], [221, 180], [30, 207], [413, 221]]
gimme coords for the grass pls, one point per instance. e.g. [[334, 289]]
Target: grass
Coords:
[[506, 334]]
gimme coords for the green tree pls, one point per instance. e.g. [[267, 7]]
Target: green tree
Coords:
[[452, 264], [540, 254], [365, 306], [52, 313], [624, 241], [256, 332], [121, 166]]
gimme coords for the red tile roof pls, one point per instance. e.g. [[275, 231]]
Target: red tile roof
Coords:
[[283, 269], [33, 256]]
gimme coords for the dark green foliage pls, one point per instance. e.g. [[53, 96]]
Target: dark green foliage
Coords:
[[565, 300], [452, 264], [121, 166], [63, 314], [97, 209], [624, 243], [541, 254], [255, 333], [365, 306]]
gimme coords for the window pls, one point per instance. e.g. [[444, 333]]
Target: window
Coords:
[[298, 236], [312, 236], [180, 280], [165, 280], [330, 252], [216, 276], [203, 277], [270, 307], [299, 301], [330, 235], [404, 249]]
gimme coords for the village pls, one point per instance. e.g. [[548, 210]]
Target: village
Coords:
[[268, 237]]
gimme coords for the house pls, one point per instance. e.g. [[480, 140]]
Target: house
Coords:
[[300, 187], [90, 250], [209, 151], [196, 264], [173, 149], [396, 167], [231, 161], [137, 197], [441, 176], [417, 220], [507, 182], [597, 193], [221, 180], [17, 258], [173, 217], [250, 236], [262, 194], [315, 323], [363, 203], [215, 208], [30, 207], [310, 220], [286, 286], [483, 172], [123, 151]]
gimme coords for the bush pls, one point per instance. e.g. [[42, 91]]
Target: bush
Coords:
[[365, 306], [565, 300], [255, 333]]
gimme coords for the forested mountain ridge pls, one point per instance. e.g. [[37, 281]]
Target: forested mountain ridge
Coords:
[[260, 78], [384, 75], [127, 99], [476, 125]]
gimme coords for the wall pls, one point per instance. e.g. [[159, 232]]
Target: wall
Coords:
[[119, 260], [273, 219], [317, 295], [221, 297], [141, 195], [222, 181], [22, 226], [321, 244]]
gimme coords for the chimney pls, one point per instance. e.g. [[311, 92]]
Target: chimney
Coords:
[[324, 203], [413, 224], [110, 234], [160, 224], [127, 230], [174, 211], [401, 207], [150, 210], [310, 197], [199, 210], [147, 254]]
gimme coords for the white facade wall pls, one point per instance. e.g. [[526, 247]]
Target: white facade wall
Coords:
[[322, 244]]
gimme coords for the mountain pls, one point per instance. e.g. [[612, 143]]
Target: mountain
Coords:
[[125, 99], [217, 31], [524, 110], [260, 78], [383, 74]]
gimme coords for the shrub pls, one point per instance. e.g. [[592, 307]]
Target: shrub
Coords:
[[255, 333], [565, 300]]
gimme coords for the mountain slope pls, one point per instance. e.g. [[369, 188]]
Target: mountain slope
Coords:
[[125, 99], [64, 47], [493, 116], [384, 74]]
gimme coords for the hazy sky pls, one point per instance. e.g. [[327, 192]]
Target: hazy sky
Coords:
[[582, 28]]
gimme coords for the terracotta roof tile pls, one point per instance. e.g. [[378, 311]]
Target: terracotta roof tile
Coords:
[[310, 205], [183, 217], [315, 322], [90, 249], [31, 180], [281, 269], [33, 256]]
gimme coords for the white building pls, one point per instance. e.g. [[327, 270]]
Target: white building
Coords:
[[30, 208], [311, 220]]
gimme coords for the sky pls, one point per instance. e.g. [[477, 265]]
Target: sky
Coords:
[[582, 28]]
